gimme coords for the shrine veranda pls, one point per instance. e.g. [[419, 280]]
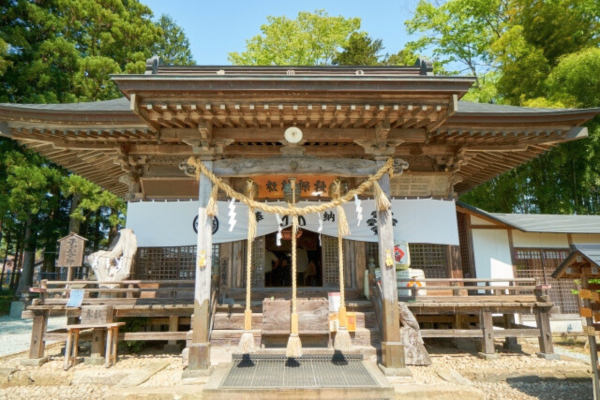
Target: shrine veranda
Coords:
[[352, 120]]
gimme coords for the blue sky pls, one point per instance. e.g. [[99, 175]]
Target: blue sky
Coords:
[[216, 28]]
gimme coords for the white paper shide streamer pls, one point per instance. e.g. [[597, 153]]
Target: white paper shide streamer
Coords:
[[279, 229], [359, 210], [320, 230], [232, 215]]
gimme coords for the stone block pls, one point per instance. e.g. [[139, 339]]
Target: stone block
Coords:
[[16, 308], [51, 378], [489, 356], [172, 348], [511, 345], [98, 377], [33, 362], [20, 378], [403, 372], [468, 345], [199, 356], [93, 360], [547, 356]]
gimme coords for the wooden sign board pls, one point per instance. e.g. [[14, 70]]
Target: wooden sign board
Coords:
[[96, 315], [71, 251], [585, 294], [596, 317], [271, 187], [589, 331], [585, 312], [596, 297]]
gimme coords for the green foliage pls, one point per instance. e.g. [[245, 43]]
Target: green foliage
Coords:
[[59, 51], [64, 51], [310, 39], [135, 324], [173, 45], [360, 50], [5, 301], [530, 53]]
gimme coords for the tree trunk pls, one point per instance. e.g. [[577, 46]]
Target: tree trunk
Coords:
[[114, 230], [97, 233], [74, 223], [16, 263], [8, 240], [29, 257]]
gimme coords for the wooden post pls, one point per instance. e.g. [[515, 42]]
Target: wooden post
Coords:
[[592, 339], [199, 350], [545, 339], [40, 323], [487, 324], [98, 344], [391, 347]]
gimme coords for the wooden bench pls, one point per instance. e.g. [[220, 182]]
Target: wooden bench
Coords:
[[313, 317], [96, 318]]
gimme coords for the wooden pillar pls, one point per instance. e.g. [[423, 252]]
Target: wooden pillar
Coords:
[[545, 339], [360, 254], [98, 344], [37, 346], [199, 350], [391, 347], [592, 340], [487, 325]]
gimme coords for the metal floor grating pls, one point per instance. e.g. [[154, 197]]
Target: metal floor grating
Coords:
[[310, 371]]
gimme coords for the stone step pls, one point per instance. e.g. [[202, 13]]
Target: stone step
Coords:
[[240, 306], [235, 320], [361, 337]]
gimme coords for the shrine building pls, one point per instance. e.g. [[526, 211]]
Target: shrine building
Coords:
[[305, 136]]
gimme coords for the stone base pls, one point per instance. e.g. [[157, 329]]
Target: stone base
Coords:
[[405, 372], [93, 360], [16, 308], [465, 344], [33, 362], [511, 345], [489, 357], [547, 356], [172, 348], [198, 356], [197, 373]]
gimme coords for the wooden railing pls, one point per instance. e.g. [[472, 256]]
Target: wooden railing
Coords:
[[459, 287], [58, 292]]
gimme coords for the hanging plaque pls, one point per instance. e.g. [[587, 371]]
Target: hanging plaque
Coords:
[[71, 251]]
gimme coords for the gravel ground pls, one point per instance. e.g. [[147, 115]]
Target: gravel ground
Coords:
[[469, 365], [16, 333]]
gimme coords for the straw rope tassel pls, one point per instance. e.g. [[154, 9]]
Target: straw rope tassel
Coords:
[[294, 346], [211, 208], [246, 344], [382, 203], [343, 341]]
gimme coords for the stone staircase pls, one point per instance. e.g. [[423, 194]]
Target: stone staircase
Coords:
[[229, 326]]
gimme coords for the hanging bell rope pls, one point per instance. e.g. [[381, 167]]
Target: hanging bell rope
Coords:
[[294, 346], [388, 167], [246, 344], [343, 341]]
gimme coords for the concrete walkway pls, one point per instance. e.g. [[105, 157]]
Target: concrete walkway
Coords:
[[15, 333]]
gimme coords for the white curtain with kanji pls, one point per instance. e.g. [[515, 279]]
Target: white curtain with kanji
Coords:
[[173, 223]]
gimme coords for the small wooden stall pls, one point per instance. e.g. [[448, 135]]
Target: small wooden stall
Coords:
[[583, 264]]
